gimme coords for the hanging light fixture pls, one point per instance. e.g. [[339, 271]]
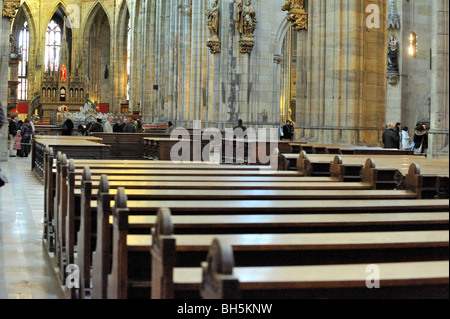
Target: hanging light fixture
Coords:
[[412, 44], [412, 50]]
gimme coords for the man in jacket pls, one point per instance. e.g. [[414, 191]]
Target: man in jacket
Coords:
[[97, 127], [390, 137], [12, 132], [129, 126]]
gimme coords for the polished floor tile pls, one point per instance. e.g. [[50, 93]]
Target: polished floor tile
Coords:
[[25, 270]]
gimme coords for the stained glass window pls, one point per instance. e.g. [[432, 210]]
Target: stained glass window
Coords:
[[128, 58], [52, 46], [24, 45]]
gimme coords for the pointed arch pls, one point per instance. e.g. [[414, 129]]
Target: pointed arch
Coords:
[[24, 14], [124, 21], [97, 41], [92, 14]]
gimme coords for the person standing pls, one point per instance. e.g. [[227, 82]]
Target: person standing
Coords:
[[118, 127], [406, 143], [97, 127], [420, 139], [129, 126], [67, 128], [398, 131], [169, 128], [390, 137], [27, 134], [107, 127], [288, 131], [12, 132], [240, 131]]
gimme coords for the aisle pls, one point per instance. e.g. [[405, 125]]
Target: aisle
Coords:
[[25, 271]]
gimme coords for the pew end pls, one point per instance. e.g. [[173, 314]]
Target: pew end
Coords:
[[163, 252], [218, 281]]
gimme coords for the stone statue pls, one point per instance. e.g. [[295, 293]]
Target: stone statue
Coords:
[[293, 4], [246, 25], [249, 19], [212, 18], [393, 54], [239, 17], [296, 14]]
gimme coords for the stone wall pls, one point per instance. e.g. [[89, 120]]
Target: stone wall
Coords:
[[341, 93], [4, 69]]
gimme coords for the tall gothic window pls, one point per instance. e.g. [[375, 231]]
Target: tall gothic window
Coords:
[[24, 45], [128, 58], [52, 46]]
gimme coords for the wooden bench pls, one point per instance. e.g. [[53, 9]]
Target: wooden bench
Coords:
[[80, 197], [160, 148], [389, 172], [251, 151], [72, 148], [237, 208], [315, 248], [220, 279]]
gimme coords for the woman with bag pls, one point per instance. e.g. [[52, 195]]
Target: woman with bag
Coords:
[[27, 134]]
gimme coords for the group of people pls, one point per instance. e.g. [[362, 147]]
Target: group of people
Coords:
[[398, 137], [128, 125], [287, 131], [20, 134]]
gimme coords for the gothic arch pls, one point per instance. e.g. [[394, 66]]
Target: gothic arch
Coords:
[[24, 14], [121, 54], [92, 15], [63, 10], [97, 45]]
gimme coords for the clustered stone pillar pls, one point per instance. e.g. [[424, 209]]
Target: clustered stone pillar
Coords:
[[4, 68], [438, 135]]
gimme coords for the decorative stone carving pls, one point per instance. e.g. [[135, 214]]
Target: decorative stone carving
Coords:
[[393, 54], [10, 8], [246, 24], [296, 14], [213, 18], [393, 18], [277, 58], [392, 62]]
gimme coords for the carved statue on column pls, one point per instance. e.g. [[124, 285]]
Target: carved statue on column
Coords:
[[10, 8], [212, 19], [246, 24], [296, 14], [392, 61]]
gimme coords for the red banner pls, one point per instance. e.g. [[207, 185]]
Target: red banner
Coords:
[[103, 108]]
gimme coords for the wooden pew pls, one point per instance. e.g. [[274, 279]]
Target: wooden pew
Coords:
[[311, 249], [100, 262], [388, 173], [248, 150], [220, 279], [428, 182], [70, 147], [50, 178]]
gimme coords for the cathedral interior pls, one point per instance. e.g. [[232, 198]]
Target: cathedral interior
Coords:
[[339, 70]]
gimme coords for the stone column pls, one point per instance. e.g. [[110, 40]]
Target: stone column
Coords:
[[4, 68], [438, 137]]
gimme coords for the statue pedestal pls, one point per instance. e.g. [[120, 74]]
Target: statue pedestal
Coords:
[[214, 45], [393, 76], [246, 44]]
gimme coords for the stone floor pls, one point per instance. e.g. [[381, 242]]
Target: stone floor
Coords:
[[25, 270]]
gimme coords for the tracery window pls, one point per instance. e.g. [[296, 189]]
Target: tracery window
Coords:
[[24, 45], [52, 46]]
